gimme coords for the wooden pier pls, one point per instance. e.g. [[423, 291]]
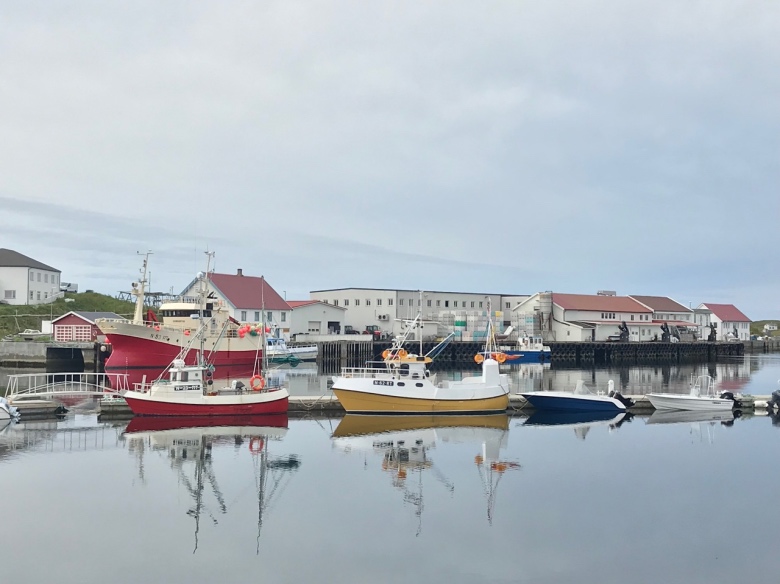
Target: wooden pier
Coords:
[[334, 355]]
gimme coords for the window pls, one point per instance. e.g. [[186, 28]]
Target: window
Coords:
[[269, 317], [446, 304], [401, 302], [257, 316], [506, 305], [39, 276], [38, 295], [357, 302], [46, 278], [335, 303], [379, 302], [31, 294], [389, 301], [11, 295], [454, 303], [243, 316], [438, 303], [429, 303], [480, 304], [368, 302], [346, 302], [632, 317], [472, 304], [45, 294], [284, 317], [55, 279]]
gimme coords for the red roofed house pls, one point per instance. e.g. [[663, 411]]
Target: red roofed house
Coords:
[[315, 317], [247, 298], [674, 314], [585, 317], [731, 323]]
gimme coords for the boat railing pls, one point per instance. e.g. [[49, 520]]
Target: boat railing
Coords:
[[364, 372]]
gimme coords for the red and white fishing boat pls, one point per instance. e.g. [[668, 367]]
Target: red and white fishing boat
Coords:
[[190, 390], [144, 347]]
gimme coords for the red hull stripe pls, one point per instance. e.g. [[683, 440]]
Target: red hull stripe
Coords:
[[159, 408]]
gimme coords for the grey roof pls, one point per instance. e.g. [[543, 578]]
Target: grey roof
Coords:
[[90, 316], [13, 259]]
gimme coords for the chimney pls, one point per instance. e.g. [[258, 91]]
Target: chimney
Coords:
[[240, 272]]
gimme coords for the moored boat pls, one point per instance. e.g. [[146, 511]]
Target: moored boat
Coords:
[[402, 383], [702, 396], [528, 350], [581, 399], [7, 411]]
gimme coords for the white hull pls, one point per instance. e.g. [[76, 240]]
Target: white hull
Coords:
[[302, 353], [673, 401]]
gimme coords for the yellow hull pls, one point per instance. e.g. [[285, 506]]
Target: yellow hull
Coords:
[[358, 425], [357, 401]]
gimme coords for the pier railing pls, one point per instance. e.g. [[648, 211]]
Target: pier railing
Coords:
[[42, 385]]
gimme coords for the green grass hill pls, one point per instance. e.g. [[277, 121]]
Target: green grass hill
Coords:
[[757, 328], [15, 319]]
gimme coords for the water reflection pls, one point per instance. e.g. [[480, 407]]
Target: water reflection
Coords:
[[580, 422], [404, 445], [680, 416], [189, 444]]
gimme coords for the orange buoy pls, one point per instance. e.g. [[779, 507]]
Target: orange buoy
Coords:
[[256, 445], [401, 353], [500, 357], [478, 358], [257, 382], [385, 353]]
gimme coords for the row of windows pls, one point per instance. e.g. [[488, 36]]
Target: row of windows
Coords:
[[269, 316], [613, 316], [54, 277], [642, 317], [367, 301]]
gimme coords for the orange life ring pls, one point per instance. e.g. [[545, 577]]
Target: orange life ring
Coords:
[[385, 353], [500, 357], [256, 445], [257, 382], [401, 353], [478, 358]]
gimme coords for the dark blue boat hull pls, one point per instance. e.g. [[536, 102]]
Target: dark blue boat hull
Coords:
[[540, 401]]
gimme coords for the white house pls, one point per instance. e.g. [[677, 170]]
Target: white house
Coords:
[[248, 298], [730, 322], [24, 280], [673, 314], [315, 317]]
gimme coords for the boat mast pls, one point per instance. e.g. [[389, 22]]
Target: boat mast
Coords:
[[419, 321], [139, 289], [202, 304]]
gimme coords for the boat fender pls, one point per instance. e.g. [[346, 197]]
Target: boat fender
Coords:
[[427, 373], [209, 381], [256, 445], [727, 395], [257, 382]]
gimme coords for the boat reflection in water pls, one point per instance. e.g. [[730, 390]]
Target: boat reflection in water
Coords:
[[189, 443], [581, 422], [404, 444], [725, 417]]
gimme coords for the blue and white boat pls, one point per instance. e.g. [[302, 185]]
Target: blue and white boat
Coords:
[[527, 350], [580, 400]]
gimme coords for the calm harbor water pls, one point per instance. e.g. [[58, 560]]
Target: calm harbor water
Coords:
[[363, 499]]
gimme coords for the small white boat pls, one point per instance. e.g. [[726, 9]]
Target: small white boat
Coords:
[[701, 397], [277, 351], [402, 383], [582, 399], [7, 411]]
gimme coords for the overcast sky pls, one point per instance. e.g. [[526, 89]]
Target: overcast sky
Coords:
[[502, 147]]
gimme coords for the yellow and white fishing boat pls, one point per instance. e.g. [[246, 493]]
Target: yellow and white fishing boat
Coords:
[[402, 384]]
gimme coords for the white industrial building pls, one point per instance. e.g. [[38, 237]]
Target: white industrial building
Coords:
[[385, 308]]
